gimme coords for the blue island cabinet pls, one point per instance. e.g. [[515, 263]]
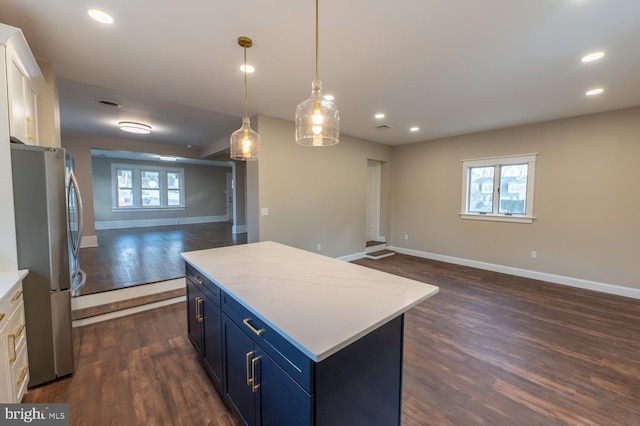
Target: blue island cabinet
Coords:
[[304, 339], [259, 390], [204, 320], [269, 381]]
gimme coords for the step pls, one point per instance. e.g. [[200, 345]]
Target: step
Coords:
[[380, 254], [372, 246], [98, 307]]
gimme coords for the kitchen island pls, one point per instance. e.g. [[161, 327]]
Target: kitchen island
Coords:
[[291, 337]]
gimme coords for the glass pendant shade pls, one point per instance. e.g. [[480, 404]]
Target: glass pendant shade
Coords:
[[245, 143], [317, 120]]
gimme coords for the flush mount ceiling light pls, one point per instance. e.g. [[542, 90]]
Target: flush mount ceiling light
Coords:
[[133, 127], [592, 57], [317, 119], [379, 115], [414, 129], [100, 16], [244, 142], [167, 158]]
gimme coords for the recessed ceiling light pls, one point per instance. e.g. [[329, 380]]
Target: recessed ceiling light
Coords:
[[248, 69], [414, 129], [167, 158], [328, 97], [379, 115], [133, 127], [100, 16], [594, 92], [592, 56]]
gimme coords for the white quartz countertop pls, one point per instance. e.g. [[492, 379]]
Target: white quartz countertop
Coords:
[[317, 303], [9, 278]]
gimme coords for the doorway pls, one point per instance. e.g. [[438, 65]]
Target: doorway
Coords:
[[229, 192], [374, 173]]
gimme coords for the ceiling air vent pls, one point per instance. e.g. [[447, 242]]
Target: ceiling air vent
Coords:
[[384, 127], [108, 103]]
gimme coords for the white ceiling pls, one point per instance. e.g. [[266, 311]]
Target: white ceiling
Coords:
[[448, 66]]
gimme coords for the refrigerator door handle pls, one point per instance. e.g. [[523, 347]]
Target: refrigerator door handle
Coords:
[[73, 187]]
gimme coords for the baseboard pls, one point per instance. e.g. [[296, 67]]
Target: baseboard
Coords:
[[542, 276], [239, 229], [89, 241], [142, 223], [351, 257]]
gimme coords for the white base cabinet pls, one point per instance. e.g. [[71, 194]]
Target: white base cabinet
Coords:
[[14, 364]]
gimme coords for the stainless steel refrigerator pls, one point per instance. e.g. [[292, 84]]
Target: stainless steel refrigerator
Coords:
[[41, 191]]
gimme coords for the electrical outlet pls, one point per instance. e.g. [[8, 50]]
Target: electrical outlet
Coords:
[[534, 254], [406, 236], [319, 247]]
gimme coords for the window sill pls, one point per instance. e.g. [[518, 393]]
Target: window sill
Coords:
[[497, 217], [147, 209]]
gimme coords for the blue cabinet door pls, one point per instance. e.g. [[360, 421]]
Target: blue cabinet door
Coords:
[[238, 357], [280, 401], [212, 340], [194, 303]]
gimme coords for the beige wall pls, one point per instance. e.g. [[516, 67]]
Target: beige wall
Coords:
[[48, 108], [79, 146], [587, 198], [314, 195]]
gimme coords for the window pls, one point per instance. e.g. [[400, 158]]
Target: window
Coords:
[[146, 187], [125, 188], [498, 188]]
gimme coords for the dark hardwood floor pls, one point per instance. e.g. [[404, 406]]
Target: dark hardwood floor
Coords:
[[134, 256], [489, 349]]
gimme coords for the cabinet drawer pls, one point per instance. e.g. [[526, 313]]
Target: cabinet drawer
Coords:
[[10, 302], [287, 356], [19, 375], [203, 283], [15, 333]]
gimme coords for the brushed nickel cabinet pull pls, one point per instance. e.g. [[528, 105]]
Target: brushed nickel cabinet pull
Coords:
[[198, 280], [199, 309], [247, 361], [255, 386], [251, 327]]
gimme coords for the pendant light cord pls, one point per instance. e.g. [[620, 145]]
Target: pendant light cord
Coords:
[[245, 81], [317, 73]]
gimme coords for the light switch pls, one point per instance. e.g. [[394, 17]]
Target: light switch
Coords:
[[265, 211]]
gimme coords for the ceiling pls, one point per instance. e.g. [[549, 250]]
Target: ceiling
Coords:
[[450, 67]]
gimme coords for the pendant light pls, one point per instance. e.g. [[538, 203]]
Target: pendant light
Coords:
[[317, 119], [245, 143]]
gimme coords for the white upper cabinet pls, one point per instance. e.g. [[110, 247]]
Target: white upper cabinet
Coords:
[[23, 80]]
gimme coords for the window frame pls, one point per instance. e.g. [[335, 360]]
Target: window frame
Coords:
[[497, 163], [137, 189]]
